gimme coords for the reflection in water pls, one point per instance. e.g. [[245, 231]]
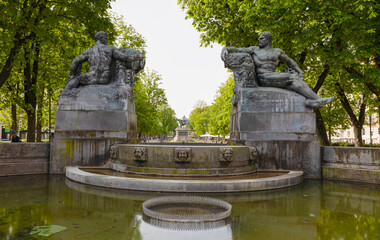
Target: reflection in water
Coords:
[[312, 210], [156, 229]]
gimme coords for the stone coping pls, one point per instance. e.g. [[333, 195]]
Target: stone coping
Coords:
[[349, 173], [183, 171], [163, 185]]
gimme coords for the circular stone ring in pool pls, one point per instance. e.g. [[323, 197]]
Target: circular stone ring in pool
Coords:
[[187, 209]]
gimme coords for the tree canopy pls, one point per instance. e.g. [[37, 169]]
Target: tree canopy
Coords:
[[200, 117], [37, 51], [336, 38], [154, 115]]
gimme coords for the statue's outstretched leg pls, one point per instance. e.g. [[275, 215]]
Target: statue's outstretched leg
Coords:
[[319, 102], [313, 100]]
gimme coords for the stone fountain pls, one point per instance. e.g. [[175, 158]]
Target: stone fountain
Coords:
[[272, 128]]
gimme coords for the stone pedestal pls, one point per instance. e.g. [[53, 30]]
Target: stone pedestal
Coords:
[[182, 134], [90, 119], [279, 124]]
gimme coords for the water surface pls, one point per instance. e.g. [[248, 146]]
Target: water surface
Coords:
[[311, 210]]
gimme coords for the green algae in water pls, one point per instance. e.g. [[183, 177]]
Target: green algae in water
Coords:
[[311, 210], [47, 231]]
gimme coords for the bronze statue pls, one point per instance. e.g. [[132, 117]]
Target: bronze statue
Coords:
[[101, 59], [265, 60]]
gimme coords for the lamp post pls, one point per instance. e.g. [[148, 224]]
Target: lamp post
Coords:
[[370, 130], [51, 98]]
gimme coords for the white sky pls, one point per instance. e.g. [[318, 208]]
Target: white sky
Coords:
[[189, 72]]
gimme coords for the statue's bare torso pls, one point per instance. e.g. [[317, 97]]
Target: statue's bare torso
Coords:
[[99, 58], [266, 59]]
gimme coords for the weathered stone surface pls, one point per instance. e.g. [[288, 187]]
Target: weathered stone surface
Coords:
[[182, 134], [24, 158], [281, 126], [351, 156], [203, 159], [83, 148], [291, 155], [97, 120], [185, 186], [98, 97], [351, 163], [351, 174], [266, 99]]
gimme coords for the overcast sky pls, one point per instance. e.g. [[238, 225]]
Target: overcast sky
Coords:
[[189, 72]]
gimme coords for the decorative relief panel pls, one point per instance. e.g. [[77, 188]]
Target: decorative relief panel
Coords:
[[253, 154], [140, 154], [182, 155], [225, 154], [114, 152]]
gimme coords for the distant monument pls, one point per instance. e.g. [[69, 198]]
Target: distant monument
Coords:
[[183, 131], [96, 108], [273, 111]]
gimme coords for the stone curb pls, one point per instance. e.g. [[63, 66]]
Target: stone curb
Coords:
[[161, 185]]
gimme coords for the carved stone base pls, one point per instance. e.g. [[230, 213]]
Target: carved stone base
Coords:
[[84, 138], [83, 148], [98, 97], [182, 134], [279, 124]]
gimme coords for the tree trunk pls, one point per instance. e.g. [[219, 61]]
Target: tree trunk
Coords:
[[39, 123], [14, 110], [356, 122], [358, 135], [18, 39], [29, 98], [7, 68], [14, 117], [321, 129], [320, 124]]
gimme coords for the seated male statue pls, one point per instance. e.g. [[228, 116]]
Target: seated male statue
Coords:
[[266, 59], [100, 58]]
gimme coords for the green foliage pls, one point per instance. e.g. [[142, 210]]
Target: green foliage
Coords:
[[39, 40], [200, 116], [221, 109], [341, 37], [167, 120], [154, 115], [67, 29], [126, 36], [214, 119]]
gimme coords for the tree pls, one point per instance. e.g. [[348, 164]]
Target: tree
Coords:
[[325, 37], [200, 116], [167, 120], [37, 29], [221, 109], [149, 99], [27, 22]]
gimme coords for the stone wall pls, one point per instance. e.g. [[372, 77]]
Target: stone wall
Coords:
[[282, 128], [24, 158], [351, 163]]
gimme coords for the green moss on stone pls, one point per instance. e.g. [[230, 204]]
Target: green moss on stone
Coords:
[[197, 171]]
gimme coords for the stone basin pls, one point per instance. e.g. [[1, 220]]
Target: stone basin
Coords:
[[184, 160]]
